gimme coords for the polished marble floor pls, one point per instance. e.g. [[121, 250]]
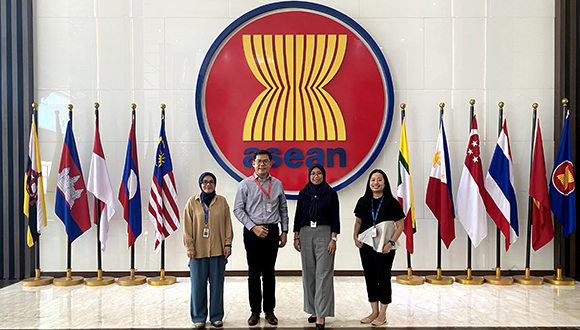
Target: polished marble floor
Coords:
[[427, 305]]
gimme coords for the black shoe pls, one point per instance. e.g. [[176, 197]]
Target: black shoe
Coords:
[[253, 320], [217, 324], [272, 319], [320, 326], [311, 319]]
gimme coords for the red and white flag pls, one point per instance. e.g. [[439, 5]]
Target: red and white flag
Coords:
[[163, 210], [99, 184], [471, 195]]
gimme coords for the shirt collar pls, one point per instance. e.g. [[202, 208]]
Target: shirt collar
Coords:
[[258, 178]]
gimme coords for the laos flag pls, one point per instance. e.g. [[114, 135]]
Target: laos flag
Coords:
[[71, 205], [130, 190]]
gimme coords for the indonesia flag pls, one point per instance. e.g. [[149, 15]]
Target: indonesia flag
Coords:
[[163, 210], [99, 184], [499, 183], [71, 205], [130, 190], [439, 197], [471, 195]]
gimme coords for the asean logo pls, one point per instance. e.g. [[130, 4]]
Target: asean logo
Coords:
[[563, 178], [301, 80]]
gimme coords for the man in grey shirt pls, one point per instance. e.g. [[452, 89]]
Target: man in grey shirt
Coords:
[[260, 206]]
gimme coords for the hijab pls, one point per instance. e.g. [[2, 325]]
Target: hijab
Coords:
[[313, 192], [205, 197]]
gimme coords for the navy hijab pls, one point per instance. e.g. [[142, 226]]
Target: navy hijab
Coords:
[[313, 192], [205, 197]]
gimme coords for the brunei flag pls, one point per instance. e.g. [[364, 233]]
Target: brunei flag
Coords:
[[405, 189], [34, 207]]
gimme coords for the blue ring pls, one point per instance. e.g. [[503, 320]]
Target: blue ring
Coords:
[[303, 5]]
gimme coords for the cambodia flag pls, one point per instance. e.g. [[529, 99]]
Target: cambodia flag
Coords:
[[130, 190], [562, 184], [71, 205]]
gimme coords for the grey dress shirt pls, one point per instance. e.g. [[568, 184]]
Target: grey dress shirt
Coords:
[[251, 204]]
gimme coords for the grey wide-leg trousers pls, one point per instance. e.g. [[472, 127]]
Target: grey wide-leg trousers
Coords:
[[317, 271]]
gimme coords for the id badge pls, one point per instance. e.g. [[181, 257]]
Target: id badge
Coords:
[[269, 207], [374, 232], [205, 232], [312, 224]]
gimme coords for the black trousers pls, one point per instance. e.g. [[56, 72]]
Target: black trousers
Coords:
[[261, 254], [377, 269]]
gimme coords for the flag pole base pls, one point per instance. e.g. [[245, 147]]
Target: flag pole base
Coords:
[[410, 279], [438, 279], [100, 279], [37, 280], [469, 279], [132, 279], [162, 279], [497, 279], [558, 279], [68, 280], [528, 280]]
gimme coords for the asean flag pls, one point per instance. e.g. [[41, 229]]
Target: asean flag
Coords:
[[71, 205], [130, 190]]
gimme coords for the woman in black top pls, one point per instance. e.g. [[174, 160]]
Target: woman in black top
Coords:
[[376, 206], [316, 227]]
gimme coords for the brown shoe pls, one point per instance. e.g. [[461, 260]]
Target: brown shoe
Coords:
[[253, 320], [272, 319]]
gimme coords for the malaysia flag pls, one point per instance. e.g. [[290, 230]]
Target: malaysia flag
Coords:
[[130, 190], [163, 210], [71, 205], [499, 183]]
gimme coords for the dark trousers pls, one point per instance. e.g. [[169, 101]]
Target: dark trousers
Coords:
[[377, 269], [261, 254]]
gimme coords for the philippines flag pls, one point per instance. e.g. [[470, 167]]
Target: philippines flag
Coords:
[[99, 184], [71, 205], [499, 183], [471, 195], [439, 197], [562, 184], [130, 190], [543, 230], [163, 210]]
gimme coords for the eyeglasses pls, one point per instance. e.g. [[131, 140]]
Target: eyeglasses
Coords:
[[207, 182], [262, 161], [316, 173]]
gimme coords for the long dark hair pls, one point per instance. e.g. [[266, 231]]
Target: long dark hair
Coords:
[[386, 191]]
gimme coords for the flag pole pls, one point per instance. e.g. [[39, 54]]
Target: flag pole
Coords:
[[162, 279], [37, 279], [100, 279], [526, 278], [469, 279], [497, 278], [132, 279], [69, 279], [439, 279], [559, 279], [408, 279]]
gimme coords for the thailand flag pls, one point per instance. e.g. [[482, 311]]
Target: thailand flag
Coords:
[[163, 210], [130, 190], [71, 205], [499, 183]]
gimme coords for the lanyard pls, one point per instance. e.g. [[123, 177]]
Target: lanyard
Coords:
[[205, 211], [269, 187], [375, 215]]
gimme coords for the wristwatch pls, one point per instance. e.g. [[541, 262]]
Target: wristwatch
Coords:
[[335, 239], [392, 243]]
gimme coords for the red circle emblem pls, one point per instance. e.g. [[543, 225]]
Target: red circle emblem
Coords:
[[563, 178], [301, 83]]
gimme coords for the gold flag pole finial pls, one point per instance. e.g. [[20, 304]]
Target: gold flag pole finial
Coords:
[[501, 104], [472, 102], [34, 106], [133, 106], [96, 105], [403, 106], [70, 107], [564, 101], [535, 106], [441, 105], [162, 106]]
